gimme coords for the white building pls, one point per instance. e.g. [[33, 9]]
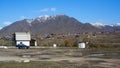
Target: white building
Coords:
[[81, 45], [23, 37]]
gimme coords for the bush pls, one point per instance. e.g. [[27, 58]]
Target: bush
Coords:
[[75, 43], [91, 45], [68, 43]]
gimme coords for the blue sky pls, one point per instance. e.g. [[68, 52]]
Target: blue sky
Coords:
[[92, 11]]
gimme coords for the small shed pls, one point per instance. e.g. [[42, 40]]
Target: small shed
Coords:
[[24, 38], [33, 42], [54, 45], [81, 45]]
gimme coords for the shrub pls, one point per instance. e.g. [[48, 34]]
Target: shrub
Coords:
[[68, 43], [75, 43], [96, 45]]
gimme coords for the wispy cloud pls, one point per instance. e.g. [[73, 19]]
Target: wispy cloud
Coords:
[[53, 9], [1, 28], [7, 23], [118, 24], [46, 10]]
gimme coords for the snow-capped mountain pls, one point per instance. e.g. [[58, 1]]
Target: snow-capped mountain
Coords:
[[98, 25], [29, 20], [118, 24], [59, 24], [107, 27], [43, 18]]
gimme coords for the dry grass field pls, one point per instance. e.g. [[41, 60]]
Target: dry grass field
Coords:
[[102, 52], [59, 58]]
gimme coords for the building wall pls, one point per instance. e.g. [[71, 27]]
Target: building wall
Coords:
[[22, 36], [81, 45], [27, 43]]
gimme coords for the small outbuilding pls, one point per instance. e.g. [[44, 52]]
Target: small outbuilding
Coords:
[[54, 45], [24, 38], [81, 45]]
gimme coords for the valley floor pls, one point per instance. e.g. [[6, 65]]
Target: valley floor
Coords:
[[59, 58]]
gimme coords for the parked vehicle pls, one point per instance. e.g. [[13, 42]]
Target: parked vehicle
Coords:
[[22, 46]]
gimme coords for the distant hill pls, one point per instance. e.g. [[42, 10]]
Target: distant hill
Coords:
[[109, 28], [59, 24]]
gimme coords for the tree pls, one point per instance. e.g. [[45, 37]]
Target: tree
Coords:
[[68, 42], [75, 43]]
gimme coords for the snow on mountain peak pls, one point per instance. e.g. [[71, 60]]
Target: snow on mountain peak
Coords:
[[43, 18], [117, 24], [98, 24], [29, 20]]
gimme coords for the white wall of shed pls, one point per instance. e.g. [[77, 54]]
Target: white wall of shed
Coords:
[[35, 43], [27, 43], [81, 45], [22, 36]]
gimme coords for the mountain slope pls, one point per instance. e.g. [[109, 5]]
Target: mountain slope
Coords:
[[109, 28], [59, 24]]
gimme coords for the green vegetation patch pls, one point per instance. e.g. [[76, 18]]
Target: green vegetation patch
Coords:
[[32, 64], [37, 64]]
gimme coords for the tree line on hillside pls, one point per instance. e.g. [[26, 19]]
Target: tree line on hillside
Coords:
[[66, 41]]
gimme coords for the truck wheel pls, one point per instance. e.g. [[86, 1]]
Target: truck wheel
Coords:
[[27, 47], [19, 47]]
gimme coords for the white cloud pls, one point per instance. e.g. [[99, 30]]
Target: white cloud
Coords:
[[53, 9], [118, 24], [7, 23], [44, 10], [1, 28]]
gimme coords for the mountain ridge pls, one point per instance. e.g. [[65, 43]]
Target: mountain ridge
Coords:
[[107, 27], [58, 24]]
